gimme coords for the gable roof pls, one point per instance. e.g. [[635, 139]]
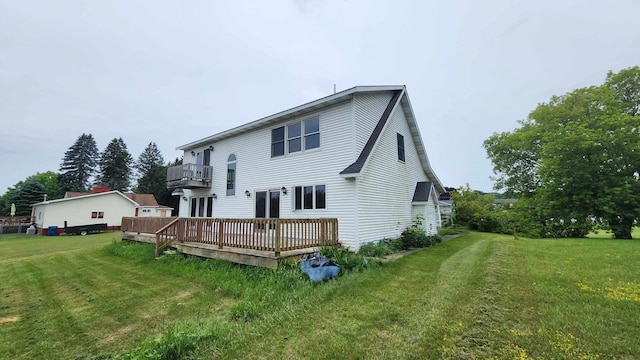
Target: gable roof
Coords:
[[87, 196], [400, 97], [357, 166], [295, 111]]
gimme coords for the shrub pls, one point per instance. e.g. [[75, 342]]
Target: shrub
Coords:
[[347, 259], [376, 249]]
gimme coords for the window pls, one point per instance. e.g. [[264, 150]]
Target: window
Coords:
[[201, 207], [143, 210], [193, 206], [94, 215], [294, 138], [400, 147], [231, 175], [310, 197], [209, 206], [303, 135], [312, 133], [277, 142]]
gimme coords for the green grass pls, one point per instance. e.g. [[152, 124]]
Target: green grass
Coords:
[[477, 296], [605, 234]]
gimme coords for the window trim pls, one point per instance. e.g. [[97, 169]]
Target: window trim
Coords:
[[232, 160], [302, 137], [299, 201], [401, 153]]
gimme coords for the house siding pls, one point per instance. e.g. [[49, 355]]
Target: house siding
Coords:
[[386, 188], [368, 108], [77, 211], [257, 171]]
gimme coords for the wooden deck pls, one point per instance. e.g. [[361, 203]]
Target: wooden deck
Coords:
[[258, 242]]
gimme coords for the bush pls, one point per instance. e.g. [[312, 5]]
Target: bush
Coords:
[[348, 260], [379, 249]]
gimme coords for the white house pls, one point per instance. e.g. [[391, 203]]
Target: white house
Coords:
[[356, 155], [78, 209]]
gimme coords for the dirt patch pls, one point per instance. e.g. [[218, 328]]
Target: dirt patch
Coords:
[[9, 319], [118, 334]]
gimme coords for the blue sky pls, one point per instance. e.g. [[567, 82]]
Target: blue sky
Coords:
[[173, 72]]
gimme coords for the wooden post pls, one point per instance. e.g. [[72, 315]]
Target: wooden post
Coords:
[[277, 239], [220, 232]]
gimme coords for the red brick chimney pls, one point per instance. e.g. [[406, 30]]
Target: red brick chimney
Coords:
[[99, 189]]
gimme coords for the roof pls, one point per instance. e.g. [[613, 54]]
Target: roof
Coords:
[[357, 166], [143, 199], [87, 196], [295, 111], [400, 97], [422, 191]]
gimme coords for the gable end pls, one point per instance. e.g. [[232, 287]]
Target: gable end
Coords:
[[356, 167]]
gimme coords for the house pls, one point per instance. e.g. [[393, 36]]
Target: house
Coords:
[[356, 155], [99, 207]]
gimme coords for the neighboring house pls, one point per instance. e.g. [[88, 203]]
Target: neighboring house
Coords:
[[77, 209], [446, 211], [356, 155]]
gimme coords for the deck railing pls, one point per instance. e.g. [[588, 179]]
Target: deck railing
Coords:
[[273, 235], [188, 175], [144, 225]]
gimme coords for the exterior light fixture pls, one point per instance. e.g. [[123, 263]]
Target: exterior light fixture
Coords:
[[246, 192], [215, 196], [211, 147], [193, 153], [284, 190], [184, 198]]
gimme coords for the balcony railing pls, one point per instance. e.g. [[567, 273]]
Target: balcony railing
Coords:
[[189, 176]]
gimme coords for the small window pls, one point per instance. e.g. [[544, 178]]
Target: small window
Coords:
[[308, 197], [294, 138], [298, 197], [320, 197], [101, 214], [231, 175], [94, 215], [277, 142], [312, 133], [400, 147]]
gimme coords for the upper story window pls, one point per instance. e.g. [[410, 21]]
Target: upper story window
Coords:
[[299, 136], [400, 147], [231, 175]]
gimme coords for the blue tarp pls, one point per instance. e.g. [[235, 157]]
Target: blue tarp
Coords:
[[319, 268]]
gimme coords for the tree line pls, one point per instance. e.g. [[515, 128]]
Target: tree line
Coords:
[[84, 166], [573, 165]]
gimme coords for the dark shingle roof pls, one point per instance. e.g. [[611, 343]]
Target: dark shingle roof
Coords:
[[366, 151], [422, 192]]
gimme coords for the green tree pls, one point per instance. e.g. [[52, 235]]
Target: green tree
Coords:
[[115, 166], [165, 197], [78, 165], [578, 157], [475, 209], [152, 178], [48, 179], [27, 194]]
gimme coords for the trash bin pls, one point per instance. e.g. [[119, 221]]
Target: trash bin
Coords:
[[52, 231]]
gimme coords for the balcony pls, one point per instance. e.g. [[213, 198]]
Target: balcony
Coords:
[[189, 176]]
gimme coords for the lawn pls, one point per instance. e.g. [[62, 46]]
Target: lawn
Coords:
[[477, 296]]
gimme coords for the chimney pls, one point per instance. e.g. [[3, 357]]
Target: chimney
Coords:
[[100, 189]]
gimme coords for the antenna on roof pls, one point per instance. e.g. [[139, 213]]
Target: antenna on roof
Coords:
[[334, 88]]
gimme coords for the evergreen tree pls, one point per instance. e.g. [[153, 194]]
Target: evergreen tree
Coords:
[[29, 193], [78, 165], [165, 197], [115, 166], [152, 178]]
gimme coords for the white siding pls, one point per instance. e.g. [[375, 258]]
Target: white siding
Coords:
[[385, 190], [368, 108], [257, 171], [77, 211]]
